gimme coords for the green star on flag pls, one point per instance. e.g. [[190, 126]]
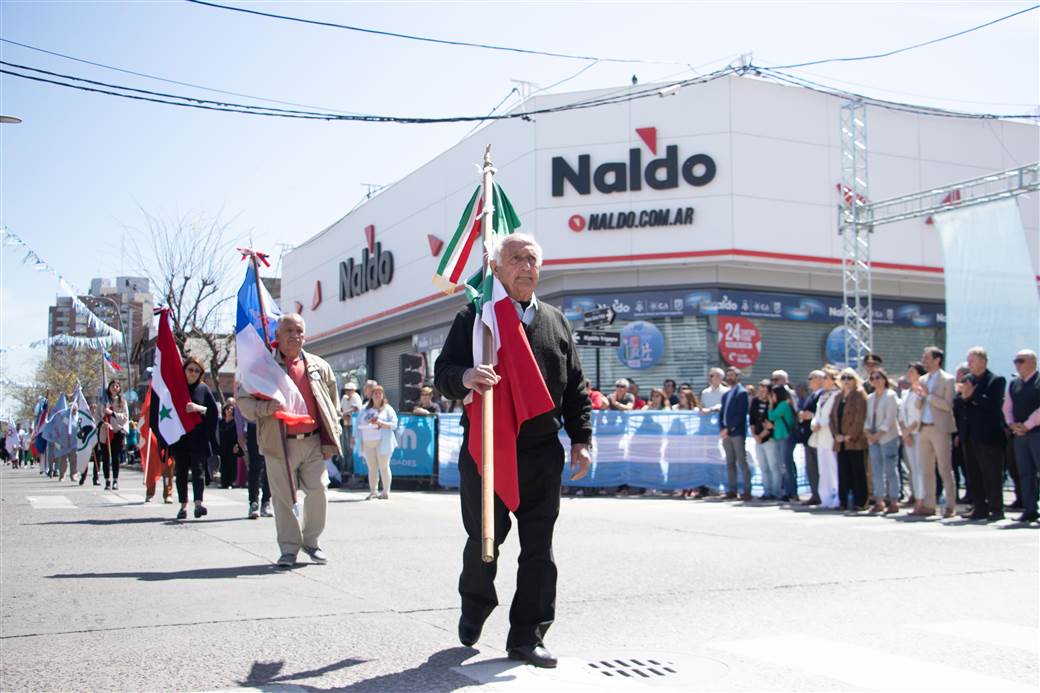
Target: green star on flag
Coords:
[[164, 412]]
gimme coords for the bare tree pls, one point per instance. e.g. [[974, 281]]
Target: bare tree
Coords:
[[190, 263], [59, 373]]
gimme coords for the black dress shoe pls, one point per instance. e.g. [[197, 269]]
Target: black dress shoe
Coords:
[[535, 655], [995, 517], [976, 515], [468, 633], [1029, 517]]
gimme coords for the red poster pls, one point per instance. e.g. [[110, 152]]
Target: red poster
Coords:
[[740, 342]]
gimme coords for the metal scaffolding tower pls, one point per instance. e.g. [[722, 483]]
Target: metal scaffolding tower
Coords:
[[855, 227]]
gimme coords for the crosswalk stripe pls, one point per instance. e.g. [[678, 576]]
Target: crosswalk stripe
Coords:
[[841, 661], [50, 502], [990, 632]]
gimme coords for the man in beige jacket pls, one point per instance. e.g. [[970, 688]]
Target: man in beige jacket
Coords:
[[935, 400], [308, 445]]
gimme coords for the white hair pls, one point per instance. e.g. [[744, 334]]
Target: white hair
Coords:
[[293, 316], [716, 371], [817, 374], [780, 374], [518, 237]]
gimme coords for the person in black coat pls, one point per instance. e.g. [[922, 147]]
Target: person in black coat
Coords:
[[193, 449], [540, 456], [983, 439], [229, 450]]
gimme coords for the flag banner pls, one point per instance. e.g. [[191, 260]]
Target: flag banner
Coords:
[[258, 373], [56, 429], [659, 450], [86, 430], [170, 420], [39, 443], [520, 394], [467, 235], [110, 363], [147, 443]]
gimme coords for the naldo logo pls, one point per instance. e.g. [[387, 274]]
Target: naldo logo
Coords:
[[661, 173]]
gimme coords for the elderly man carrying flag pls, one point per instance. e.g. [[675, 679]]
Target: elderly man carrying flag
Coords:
[[292, 397], [538, 388]]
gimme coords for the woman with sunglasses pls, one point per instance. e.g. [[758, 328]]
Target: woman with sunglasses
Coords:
[[193, 449], [850, 441], [882, 429]]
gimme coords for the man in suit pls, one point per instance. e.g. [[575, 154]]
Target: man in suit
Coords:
[[936, 391], [733, 415], [1022, 414], [516, 264], [983, 436]]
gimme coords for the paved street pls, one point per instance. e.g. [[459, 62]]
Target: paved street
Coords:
[[103, 592]]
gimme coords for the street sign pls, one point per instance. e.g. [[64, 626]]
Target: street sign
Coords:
[[597, 339], [598, 317]]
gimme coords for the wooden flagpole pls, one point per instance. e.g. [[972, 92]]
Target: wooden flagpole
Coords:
[[487, 433], [282, 429]]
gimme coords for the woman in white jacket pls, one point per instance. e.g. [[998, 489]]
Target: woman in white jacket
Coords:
[[823, 440], [115, 424], [910, 422], [376, 424]]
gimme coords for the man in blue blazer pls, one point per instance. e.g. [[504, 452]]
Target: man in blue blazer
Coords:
[[733, 431]]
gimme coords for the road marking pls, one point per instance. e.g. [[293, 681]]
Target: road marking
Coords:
[[990, 632], [50, 502], [842, 661]]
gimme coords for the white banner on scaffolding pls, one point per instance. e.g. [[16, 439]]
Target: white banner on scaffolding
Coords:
[[991, 291]]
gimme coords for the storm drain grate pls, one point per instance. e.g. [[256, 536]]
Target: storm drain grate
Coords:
[[632, 668]]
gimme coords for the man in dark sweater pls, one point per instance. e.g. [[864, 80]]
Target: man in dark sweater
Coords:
[[517, 260], [1022, 415], [982, 438]]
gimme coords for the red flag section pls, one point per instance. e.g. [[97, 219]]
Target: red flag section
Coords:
[[520, 395], [148, 444]]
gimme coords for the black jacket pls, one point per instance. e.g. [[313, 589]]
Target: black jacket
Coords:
[[983, 411], [553, 347], [200, 441]]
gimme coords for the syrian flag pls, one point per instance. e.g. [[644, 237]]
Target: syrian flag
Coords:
[[170, 388], [520, 395], [147, 442], [467, 235], [258, 373]]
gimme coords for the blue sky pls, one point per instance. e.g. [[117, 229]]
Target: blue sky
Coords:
[[76, 173]]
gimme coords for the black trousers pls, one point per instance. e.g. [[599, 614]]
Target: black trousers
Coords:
[[534, 604], [852, 475], [985, 468], [111, 465], [228, 468], [257, 468], [183, 461]]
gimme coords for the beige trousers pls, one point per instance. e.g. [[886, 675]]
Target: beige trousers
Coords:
[[936, 447], [308, 468], [378, 466], [66, 464]]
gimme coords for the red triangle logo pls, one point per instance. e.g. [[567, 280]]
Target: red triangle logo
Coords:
[[435, 244], [316, 301], [299, 307], [649, 136], [370, 237]]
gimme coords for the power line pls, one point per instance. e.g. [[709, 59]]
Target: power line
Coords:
[[428, 39], [165, 79], [206, 104], [899, 50]]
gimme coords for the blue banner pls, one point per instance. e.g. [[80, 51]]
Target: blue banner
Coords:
[[417, 443], [641, 305], [663, 450]]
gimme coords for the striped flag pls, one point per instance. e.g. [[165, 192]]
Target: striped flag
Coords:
[[110, 363], [170, 387], [467, 235]]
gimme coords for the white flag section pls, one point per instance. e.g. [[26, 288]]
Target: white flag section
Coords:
[[487, 317], [258, 373], [991, 293]]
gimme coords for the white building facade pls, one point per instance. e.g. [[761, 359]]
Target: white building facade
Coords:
[[707, 219]]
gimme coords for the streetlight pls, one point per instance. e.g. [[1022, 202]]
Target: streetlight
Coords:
[[126, 347]]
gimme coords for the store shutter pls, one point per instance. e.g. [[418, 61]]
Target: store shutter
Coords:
[[899, 346], [388, 367], [795, 347]]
